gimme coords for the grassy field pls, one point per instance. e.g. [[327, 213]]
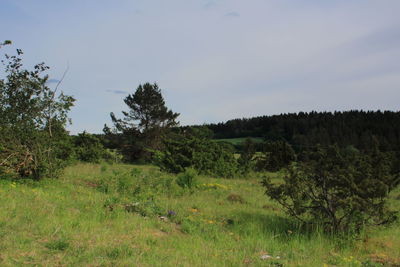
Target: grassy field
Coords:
[[109, 215], [238, 141]]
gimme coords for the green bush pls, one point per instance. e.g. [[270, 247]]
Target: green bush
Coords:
[[32, 121], [340, 190], [246, 159], [187, 179], [276, 155], [192, 147], [88, 148]]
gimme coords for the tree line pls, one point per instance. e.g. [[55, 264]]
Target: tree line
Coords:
[[302, 130]]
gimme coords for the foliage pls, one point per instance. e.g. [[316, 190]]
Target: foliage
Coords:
[[192, 147], [301, 130], [246, 160], [145, 122], [276, 155], [341, 190], [187, 179], [240, 143], [128, 143], [6, 42], [32, 120], [88, 148]]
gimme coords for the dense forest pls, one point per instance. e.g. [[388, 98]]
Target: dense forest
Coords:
[[302, 130]]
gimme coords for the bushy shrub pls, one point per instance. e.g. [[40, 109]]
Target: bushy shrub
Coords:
[[88, 148], [32, 122], [246, 160], [192, 147], [187, 179], [343, 191], [276, 155]]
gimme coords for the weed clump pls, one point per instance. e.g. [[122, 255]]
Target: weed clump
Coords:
[[137, 192], [236, 198], [58, 244], [188, 179], [146, 209]]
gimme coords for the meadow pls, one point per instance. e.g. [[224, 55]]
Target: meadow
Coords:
[[239, 141], [134, 215]]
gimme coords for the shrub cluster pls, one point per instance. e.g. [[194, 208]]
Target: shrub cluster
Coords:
[[32, 122], [193, 147], [275, 156], [342, 190], [88, 148]]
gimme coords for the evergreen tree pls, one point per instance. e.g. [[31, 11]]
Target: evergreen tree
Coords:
[[276, 155], [145, 122], [303, 130], [342, 190]]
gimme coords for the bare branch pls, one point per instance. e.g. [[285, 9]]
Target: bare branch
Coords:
[[61, 80]]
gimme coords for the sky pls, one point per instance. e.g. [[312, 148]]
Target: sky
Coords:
[[214, 60]]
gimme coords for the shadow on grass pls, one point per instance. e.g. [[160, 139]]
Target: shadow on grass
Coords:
[[28, 181], [272, 224]]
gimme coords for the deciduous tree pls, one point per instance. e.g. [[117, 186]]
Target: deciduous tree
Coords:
[[32, 121]]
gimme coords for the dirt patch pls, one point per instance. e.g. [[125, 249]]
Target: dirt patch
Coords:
[[158, 233], [91, 184], [385, 260]]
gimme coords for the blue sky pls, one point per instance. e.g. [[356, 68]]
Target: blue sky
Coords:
[[213, 59]]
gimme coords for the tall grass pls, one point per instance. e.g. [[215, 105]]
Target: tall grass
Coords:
[[84, 219]]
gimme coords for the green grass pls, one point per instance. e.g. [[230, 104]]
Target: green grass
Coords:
[[238, 141], [81, 219]]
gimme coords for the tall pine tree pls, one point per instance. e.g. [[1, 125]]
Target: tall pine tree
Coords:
[[145, 122]]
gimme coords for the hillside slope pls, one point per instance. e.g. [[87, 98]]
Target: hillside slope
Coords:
[[109, 215]]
